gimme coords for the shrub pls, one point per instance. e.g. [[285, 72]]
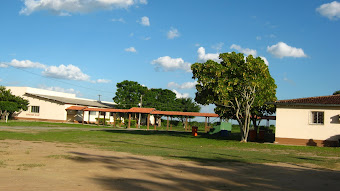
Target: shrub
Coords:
[[118, 122], [132, 122], [101, 120]]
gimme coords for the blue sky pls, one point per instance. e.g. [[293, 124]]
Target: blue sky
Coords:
[[87, 46]]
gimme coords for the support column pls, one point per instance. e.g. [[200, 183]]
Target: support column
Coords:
[[104, 119], [167, 123], [88, 119], [206, 125], [114, 120], [98, 118], [83, 117], [129, 121], [136, 121], [155, 118], [170, 124], [148, 122], [186, 124]]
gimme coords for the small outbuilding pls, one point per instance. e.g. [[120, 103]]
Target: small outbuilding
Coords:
[[312, 121], [46, 105]]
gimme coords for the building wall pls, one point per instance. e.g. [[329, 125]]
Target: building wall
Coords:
[[293, 124]]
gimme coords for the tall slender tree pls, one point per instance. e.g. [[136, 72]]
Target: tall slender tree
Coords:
[[236, 86]]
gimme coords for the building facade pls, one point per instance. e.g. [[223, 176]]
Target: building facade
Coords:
[[46, 105], [310, 121]]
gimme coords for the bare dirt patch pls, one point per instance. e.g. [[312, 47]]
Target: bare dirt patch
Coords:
[[49, 166]]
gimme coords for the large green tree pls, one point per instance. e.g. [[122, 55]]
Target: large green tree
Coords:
[[10, 103], [128, 94], [161, 99], [236, 86]]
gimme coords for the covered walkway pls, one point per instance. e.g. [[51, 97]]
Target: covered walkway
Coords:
[[148, 111]]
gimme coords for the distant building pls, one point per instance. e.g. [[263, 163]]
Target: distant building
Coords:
[[312, 121], [46, 105]]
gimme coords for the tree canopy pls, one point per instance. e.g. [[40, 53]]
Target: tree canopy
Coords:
[[128, 94], [10, 103], [238, 86], [336, 92], [161, 99]]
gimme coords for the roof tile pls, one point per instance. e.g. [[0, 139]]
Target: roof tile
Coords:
[[331, 100]]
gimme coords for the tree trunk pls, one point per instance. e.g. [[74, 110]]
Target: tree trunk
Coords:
[[6, 116]]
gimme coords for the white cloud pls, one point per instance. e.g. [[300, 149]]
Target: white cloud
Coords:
[[143, 2], [118, 20], [103, 81], [203, 57], [0, 80], [271, 36], [25, 64], [3, 65], [218, 46], [258, 38], [145, 21], [245, 51], [281, 50], [186, 85], [265, 60], [69, 72], [60, 89], [64, 7], [330, 10], [173, 33], [179, 95], [130, 49], [146, 38], [170, 64]]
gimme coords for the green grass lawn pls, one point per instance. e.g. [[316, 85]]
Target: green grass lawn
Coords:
[[18, 123], [181, 145]]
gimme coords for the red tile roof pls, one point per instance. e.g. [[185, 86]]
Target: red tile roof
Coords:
[[141, 110], [153, 111], [321, 100], [108, 110], [193, 114], [76, 108]]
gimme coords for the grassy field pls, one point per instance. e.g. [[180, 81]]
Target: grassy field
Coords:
[[181, 145], [17, 123]]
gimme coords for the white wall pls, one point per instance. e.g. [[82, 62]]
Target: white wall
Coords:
[[295, 123]]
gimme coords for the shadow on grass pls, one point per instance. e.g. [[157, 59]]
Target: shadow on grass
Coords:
[[129, 172], [231, 136]]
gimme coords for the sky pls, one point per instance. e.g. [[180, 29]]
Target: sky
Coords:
[[86, 47]]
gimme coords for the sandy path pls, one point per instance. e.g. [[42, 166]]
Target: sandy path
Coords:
[[54, 166]]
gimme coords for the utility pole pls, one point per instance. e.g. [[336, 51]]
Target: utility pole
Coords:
[[99, 97], [140, 105]]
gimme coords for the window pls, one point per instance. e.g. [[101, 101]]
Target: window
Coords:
[[317, 117], [35, 109]]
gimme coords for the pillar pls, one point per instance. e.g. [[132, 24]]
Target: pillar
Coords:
[[167, 123], [98, 118], [148, 122]]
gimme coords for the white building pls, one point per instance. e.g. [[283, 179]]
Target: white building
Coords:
[[46, 105], [312, 121]]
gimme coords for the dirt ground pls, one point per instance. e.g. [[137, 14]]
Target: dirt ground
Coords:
[[42, 166]]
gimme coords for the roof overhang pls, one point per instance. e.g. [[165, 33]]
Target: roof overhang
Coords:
[[307, 104]]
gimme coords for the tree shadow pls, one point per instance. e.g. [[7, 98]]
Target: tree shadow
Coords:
[[129, 172]]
